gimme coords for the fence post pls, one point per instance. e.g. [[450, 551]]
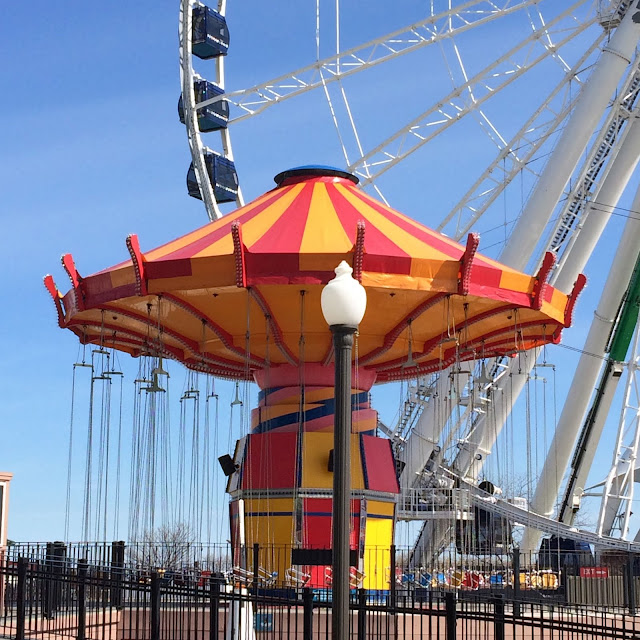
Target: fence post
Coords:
[[117, 570], [307, 624], [20, 597], [214, 607], [392, 586], [155, 606], [54, 565], [362, 614], [516, 582], [82, 599], [631, 584], [450, 609], [498, 618]]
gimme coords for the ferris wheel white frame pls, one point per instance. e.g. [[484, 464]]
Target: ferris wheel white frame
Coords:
[[514, 155]]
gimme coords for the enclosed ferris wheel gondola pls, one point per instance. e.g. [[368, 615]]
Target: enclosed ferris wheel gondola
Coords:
[[212, 117], [209, 33], [222, 176]]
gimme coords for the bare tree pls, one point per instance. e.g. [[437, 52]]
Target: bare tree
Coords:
[[167, 548]]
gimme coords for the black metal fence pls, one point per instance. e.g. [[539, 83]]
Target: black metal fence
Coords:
[[51, 593]]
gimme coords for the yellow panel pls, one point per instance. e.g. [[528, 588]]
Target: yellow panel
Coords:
[[357, 476], [323, 230], [273, 532], [256, 227], [268, 504], [274, 535], [315, 458], [380, 508], [396, 234], [269, 530], [377, 555], [123, 276], [441, 274], [516, 281], [196, 235]]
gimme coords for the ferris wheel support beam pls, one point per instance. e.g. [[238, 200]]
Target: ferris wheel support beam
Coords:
[[476, 448], [473, 454], [599, 210], [587, 374], [424, 436], [593, 101], [619, 485]]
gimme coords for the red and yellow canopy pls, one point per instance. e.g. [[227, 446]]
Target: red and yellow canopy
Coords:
[[243, 293]]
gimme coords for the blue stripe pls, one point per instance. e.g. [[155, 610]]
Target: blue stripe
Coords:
[[327, 408]]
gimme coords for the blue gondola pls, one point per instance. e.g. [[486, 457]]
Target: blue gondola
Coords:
[[222, 174], [209, 33], [214, 116]]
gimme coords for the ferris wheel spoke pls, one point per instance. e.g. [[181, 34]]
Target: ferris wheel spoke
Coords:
[[517, 154], [451, 109], [431, 30]]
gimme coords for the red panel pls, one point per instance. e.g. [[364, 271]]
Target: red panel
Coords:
[[285, 236], [270, 462], [380, 474], [219, 229], [317, 523], [376, 242]]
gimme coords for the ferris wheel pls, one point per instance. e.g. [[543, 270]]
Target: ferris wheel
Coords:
[[517, 117]]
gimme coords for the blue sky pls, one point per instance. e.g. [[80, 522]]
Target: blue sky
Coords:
[[92, 150]]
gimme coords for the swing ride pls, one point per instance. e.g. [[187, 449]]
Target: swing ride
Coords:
[[466, 335], [254, 277]]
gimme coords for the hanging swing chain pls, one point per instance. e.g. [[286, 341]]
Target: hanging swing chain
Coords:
[[301, 358]]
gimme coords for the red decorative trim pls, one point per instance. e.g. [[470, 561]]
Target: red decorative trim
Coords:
[[189, 345], [450, 356], [140, 339], [392, 335], [76, 280], [225, 337], [578, 286], [542, 277], [57, 297], [358, 252], [138, 264], [275, 329], [466, 263], [430, 345], [238, 252]]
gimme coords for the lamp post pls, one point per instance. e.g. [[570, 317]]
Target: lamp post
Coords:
[[343, 301]]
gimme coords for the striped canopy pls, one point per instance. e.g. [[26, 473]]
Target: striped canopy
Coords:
[[242, 293]]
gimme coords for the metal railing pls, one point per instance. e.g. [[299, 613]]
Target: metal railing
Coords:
[[54, 594]]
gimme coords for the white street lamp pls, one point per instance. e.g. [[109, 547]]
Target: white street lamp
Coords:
[[344, 302]]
